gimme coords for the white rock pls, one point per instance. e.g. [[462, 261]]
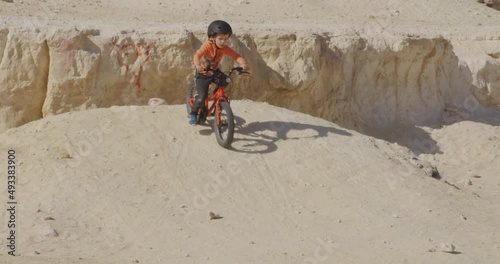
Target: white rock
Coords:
[[447, 248], [48, 231]]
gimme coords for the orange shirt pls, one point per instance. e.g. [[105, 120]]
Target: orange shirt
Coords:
[[209, 53]]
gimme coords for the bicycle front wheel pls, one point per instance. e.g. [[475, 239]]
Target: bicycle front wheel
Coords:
[[224, 125]]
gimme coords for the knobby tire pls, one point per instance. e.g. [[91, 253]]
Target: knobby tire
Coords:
[[224, 125]]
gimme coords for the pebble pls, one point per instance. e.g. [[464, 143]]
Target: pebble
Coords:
[[65, 155], [214, 216], [448, 248], [49, 232]]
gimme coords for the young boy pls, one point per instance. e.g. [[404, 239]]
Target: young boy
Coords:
[[209, 56]]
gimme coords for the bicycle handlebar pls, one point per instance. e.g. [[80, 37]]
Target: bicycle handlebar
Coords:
[[239, 70]]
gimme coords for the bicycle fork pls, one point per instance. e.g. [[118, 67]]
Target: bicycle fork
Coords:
[[218, 108]]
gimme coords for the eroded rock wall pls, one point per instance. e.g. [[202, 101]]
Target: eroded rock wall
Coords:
[[24, 67], [363, 82], [369, 84], [495, 4]]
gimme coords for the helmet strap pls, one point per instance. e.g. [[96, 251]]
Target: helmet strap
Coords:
[[212, 39]]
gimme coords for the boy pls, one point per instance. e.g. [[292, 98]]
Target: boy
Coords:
[[209, 56]]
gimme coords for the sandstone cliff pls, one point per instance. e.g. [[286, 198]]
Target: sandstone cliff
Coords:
[[359, 81]]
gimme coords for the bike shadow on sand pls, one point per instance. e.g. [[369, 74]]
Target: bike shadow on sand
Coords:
[[261, 137]]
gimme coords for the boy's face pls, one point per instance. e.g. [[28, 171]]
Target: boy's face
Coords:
[[221, 40]]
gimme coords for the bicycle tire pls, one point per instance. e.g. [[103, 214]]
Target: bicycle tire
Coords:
[[224, 125], [190, 92], [202, 115]]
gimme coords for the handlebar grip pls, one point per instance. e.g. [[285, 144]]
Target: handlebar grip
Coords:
[[238, 70]]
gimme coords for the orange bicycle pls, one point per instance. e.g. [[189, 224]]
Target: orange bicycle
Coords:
[[223, 123]]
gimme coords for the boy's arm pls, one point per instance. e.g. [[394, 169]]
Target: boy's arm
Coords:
[[237, 57], [197, 56]]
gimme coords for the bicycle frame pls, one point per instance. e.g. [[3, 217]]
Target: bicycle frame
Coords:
[[217, 97], [216, 105]]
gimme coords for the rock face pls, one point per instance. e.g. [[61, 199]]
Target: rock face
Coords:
[[491, 3], [362, 82], [24, 68]]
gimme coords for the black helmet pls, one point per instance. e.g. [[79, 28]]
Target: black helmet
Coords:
[[219, 27]]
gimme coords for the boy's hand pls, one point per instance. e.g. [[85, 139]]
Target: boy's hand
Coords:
[[245, 67], [199, 68]]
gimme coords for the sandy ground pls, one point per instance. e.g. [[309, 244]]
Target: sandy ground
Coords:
[[447, 17], [140, 183], [295, 189]]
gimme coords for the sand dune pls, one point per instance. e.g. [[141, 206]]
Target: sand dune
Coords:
[[140, 185]]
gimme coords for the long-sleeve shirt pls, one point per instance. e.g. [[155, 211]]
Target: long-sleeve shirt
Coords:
[[209, 53]]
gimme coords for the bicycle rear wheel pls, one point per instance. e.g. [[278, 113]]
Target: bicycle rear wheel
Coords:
[[190, 92], [224, 125]]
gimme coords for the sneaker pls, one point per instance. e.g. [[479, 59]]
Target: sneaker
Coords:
[[192, 120]]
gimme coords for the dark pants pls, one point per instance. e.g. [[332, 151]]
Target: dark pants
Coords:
[[202, 83]]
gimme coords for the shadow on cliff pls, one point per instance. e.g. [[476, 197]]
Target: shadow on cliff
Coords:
[[343, 97], [467, 108], [330, 58]]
